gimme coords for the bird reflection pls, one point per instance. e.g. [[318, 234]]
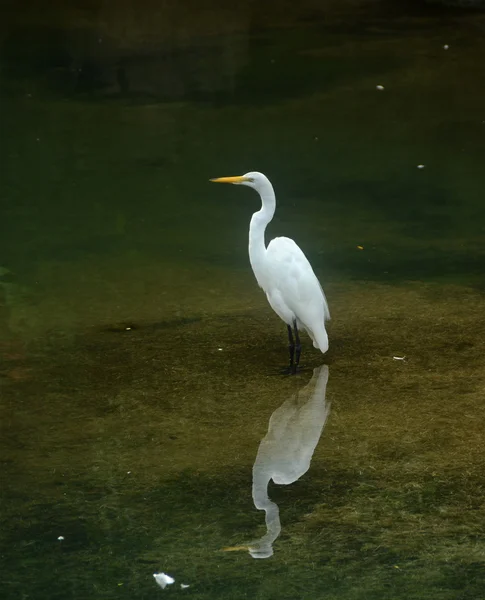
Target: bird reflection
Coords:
[[285, 453]]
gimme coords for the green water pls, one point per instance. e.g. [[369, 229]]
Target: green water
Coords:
[[140, 363]]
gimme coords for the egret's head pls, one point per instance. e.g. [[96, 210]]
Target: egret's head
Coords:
[[252, 179]]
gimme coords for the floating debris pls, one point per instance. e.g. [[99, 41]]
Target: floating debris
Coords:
[[399, 357], [60, 538], [380, 87], [445, 47], [421, 166], [120, 327], [163, 579], [360, 247], [184, 586]]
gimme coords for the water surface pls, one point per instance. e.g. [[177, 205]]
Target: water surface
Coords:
[[140, 363]]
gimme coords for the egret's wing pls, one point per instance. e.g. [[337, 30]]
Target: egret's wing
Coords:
[[293, 276], [326, 310]]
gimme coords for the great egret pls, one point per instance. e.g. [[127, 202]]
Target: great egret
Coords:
[[284, 273]]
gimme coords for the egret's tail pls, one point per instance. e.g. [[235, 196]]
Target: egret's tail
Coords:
[[320, 340]]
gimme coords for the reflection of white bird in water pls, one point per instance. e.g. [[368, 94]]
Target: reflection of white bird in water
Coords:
[[284, 273], [285, 453]]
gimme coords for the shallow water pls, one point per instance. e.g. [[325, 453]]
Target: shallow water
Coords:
[[140, 363]]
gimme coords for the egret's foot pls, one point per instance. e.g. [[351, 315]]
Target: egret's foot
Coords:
[[292, 370], [287, 370], [282, 371]]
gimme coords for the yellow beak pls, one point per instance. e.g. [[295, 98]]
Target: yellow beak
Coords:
[[238, 179]]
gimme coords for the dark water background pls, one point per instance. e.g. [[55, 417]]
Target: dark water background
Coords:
[[139, 361]]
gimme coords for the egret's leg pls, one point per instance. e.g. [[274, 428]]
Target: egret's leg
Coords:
[[297, 346], [291, 346]]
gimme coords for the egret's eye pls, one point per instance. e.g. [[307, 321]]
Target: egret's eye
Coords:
[[250, 179]]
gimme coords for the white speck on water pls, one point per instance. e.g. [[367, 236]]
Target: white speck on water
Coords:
[[219, 349], [163, 579], [399, 357], [421, 166], [445, 47], [379, 87], [184, 586], [60, 538]]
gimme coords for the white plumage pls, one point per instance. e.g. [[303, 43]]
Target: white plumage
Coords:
[[294, 291], [282, 270]]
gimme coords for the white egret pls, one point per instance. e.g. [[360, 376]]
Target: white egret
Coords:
[[284, 273]]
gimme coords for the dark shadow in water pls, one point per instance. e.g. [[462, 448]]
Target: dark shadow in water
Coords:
[[238, 69]]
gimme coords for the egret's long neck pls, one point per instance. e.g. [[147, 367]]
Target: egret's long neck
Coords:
[[259, 221], [261, 477]]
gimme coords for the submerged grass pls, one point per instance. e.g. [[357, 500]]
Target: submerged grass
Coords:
[[139, 445]]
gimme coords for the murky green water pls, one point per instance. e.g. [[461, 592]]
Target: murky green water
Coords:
[[140, 363]]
